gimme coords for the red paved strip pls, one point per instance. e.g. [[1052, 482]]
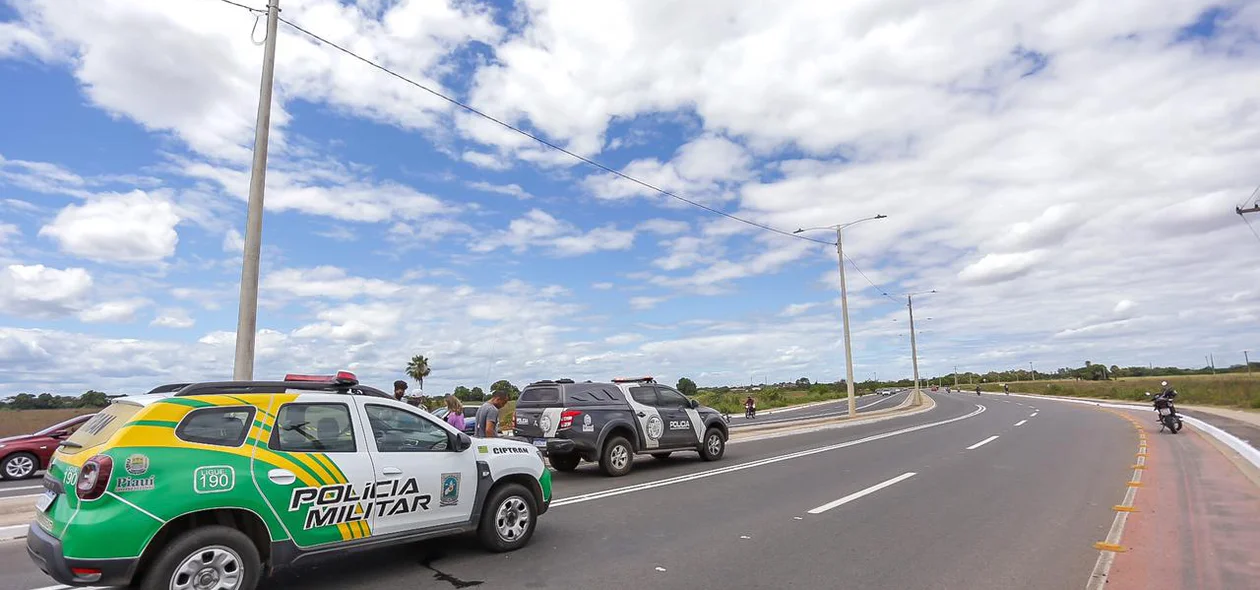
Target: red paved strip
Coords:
[[1198, 520]]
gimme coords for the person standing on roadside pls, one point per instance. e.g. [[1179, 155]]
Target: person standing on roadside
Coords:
[[487, 420], [400, 390], [455, 412]]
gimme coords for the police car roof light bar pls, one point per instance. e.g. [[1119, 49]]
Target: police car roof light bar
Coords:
[[342, 378], [634, 380], [244, 387]]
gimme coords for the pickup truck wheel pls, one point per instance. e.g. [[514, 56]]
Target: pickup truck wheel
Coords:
[[19, 466], [714, 445], [207, 557], [617, 457], [507, 519], [567, 462]]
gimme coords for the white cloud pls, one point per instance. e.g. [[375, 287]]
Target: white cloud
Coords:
[[121, 311], [325, 282], [538, 228], [797, 309], [173, 317], [39, 291], [605, 286], [233, 241], [622, 339], [487, 161], [644, 303], [511, 190], [703, 169], [133, 227]]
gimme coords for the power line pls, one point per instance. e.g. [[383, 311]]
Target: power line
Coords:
[[872, 283], [534, 137]]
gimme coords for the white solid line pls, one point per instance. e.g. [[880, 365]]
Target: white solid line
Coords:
[[1033, 415], [851, 497], [982, 443], [22, 496], [751, 464], [1020, 423]]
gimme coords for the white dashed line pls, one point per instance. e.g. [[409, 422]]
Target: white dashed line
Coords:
[[851, 497], [1033, 415], [1020, 423], [982, 443]]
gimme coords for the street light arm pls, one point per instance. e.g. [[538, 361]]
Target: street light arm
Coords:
[[840, 225]]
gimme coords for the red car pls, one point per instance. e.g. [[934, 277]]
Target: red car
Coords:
[[25, 455]]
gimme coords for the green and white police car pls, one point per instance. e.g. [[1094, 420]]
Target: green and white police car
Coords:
[[215, 485]]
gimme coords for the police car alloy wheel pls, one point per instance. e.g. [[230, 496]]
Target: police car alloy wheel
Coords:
[[617, 457], [714, 445], [507, 520], [206, 558]]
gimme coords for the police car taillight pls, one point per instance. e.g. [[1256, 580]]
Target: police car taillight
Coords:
[[566, 418], [94, 477]]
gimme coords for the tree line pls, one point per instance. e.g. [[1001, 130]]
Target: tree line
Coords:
[[48, 401]]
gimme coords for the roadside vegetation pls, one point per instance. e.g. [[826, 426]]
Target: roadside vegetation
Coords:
[[1234, 390]]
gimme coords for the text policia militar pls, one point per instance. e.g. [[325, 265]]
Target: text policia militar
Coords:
[[344, 502]]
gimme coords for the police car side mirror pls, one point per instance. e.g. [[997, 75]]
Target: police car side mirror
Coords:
[[693, 403], [462, 442]]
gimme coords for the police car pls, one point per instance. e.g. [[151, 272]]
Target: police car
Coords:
[[608, 423], [215, 485]]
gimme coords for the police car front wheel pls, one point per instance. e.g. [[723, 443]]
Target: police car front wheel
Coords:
[[206, 558], [507, 520], [714, 445]]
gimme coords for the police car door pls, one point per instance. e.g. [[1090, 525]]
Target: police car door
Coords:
[[681, 422], [651, 426], [422, 482], [314, 470]]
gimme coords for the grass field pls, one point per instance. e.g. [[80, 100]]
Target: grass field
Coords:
[[733, 402], [1233, 390], [14, 422]]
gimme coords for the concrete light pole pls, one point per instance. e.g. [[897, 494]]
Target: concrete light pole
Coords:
[[914, 349], [844, 304], [247, 314]]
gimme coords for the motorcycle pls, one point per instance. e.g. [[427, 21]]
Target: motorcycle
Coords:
[[1168, 416], [750, 413]]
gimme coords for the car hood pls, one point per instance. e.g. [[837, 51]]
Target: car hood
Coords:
[[21, 438]]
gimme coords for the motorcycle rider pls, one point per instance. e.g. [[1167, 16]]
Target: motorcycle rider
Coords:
[[750, 407], [977, 390]]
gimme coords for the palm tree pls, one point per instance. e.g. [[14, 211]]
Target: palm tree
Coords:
[[418, 369]]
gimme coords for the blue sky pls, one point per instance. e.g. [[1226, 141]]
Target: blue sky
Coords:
[[1063, 174]]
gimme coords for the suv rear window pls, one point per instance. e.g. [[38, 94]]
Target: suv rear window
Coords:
[[104, 424], [216, 426], [540, 395]]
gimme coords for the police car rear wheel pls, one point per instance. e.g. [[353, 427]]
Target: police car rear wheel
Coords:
[[714, 445], [507, 522], [206, 558], [617, 457], [565, 462]]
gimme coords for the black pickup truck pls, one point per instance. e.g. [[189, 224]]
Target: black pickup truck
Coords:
[[609, 423]]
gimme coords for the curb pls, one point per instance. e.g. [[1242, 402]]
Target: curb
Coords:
[[11, 533], [832, 422]]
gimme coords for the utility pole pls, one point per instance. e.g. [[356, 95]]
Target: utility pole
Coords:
[[1248, 361], [1212, 362], [955, 376], [1032, 370], [247, 315], [914, 351]]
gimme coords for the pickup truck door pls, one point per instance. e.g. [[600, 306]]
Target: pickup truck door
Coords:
[[682, 424], [422, 481]]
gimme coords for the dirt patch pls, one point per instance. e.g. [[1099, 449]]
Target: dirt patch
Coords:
[[15, 422]]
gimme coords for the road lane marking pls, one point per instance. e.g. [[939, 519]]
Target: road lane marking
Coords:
[[3, 490], [1020, 423], [871, 490], [1033, 415], [982, 443], [600, 495]]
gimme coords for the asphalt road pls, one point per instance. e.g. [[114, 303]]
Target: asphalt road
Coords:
[[785, 416], [21, 487], [1020, 510]]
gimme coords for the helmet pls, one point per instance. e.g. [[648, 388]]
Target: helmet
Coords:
[[1163, 384]]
